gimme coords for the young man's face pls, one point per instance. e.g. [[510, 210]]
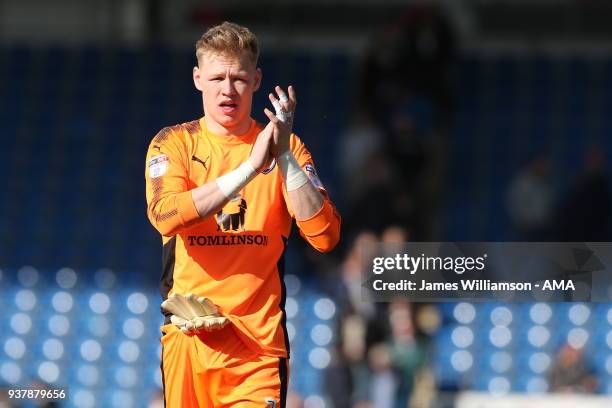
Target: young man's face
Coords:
[[227, 84]]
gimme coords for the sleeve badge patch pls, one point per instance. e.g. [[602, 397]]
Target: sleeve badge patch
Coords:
[[158, 165]]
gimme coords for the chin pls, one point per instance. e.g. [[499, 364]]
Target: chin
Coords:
[[231, 120], [228, 121]]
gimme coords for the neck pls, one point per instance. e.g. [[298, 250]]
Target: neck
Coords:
[[236, 130]]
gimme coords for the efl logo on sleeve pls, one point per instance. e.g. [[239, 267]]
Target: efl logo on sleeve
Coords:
[[158, 165]]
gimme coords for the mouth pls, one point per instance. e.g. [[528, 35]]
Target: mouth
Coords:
[[228, 107]]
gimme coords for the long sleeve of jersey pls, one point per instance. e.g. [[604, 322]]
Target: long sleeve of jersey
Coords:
[[170, 206], [322, 230]]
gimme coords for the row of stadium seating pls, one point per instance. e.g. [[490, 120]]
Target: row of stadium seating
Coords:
[[84, 331], [495, 347]]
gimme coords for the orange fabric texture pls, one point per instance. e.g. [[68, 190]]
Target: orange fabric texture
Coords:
[[232, 257], [216, 370]]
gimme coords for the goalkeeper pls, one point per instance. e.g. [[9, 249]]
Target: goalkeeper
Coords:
[[224, 341]]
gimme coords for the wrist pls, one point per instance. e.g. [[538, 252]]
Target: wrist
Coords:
[[291, 171], [249, 162], [235, 180]]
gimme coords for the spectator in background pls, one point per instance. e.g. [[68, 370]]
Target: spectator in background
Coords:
[[409, 147], [407, 353], [429, 53], [385, 198], [358, 143], [395, 362], [584, 215], [351, 299], [383, 78], [393, 240], [406, 88], [570, 373], [374, 208], [349, 293], [394, 234], [415, 53], [384, 380], [406, 91], [531, 200], [427, 323], [347, 378], [387, 194]]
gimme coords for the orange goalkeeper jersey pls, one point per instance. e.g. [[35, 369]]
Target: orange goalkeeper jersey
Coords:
[[236, 256]]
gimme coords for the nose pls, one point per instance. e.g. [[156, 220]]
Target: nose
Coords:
[[228, 87]]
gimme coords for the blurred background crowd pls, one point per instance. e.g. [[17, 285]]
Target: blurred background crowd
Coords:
[[439, 120]]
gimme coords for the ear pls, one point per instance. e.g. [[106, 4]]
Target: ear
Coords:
[[197, 77], [258, 76]]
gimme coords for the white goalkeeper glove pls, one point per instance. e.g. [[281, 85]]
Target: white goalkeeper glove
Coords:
[[193, 315]]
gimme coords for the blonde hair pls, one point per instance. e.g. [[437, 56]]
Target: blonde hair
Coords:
[[228, 39]]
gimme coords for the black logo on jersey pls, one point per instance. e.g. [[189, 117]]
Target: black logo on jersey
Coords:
[[157, 147], [231, 216], [228, 239], [202, 162], [270, 402]]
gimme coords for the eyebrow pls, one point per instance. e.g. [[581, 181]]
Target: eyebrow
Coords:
[[222, 74]]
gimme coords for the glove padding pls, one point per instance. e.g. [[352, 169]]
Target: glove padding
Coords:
[[193, 315]]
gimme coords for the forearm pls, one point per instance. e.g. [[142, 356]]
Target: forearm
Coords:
[[171, 212], [305, 201], [303, 198], [316, 217], [208, 199]]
